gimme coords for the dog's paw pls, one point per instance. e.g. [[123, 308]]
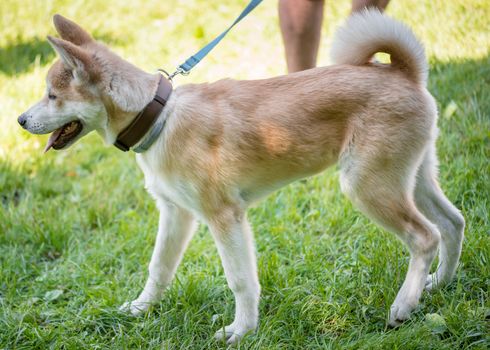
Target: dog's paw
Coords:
[[135, 307], [232, 334], [431, 282], [399, 314]]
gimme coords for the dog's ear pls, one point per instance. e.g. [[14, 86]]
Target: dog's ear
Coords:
[[70, 31], [128, 94], [74, 58]]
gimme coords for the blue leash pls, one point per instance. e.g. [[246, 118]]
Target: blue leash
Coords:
[[192, 61]]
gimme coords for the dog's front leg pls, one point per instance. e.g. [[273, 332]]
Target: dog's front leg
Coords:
[[174, 232], [234, 240]]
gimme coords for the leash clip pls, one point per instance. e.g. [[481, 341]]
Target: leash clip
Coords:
[[178, 71]]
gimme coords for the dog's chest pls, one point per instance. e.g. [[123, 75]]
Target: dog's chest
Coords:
[[164, 186]]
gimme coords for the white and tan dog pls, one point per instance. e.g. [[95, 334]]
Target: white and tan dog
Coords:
[[229, 143]]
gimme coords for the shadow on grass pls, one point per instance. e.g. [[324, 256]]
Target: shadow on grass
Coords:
[[460, 79], [23, 56]]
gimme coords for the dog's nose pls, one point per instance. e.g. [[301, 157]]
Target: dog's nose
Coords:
[[22, 119]]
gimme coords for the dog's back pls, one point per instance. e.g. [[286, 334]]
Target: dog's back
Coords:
[[274, 131]]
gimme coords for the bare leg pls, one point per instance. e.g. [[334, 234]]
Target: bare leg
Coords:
[[358, 5], [174, 232], [301, 24], [234, 240]]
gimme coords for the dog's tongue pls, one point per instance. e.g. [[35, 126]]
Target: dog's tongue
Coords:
[[52, 139]]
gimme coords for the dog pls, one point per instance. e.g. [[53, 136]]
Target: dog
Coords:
[[227, 144]]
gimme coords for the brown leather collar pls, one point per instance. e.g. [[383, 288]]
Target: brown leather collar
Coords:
[[135, 131]]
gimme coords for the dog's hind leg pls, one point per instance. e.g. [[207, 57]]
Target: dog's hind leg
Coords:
[[175, 229], [382, 189], [234, 240], [436, 207]]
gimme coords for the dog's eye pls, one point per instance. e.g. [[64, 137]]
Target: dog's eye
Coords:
[[52, 97]]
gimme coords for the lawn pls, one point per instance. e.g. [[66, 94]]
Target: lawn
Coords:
[[77, 227]]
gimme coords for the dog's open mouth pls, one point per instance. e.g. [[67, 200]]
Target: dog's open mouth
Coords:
[[62, 136]]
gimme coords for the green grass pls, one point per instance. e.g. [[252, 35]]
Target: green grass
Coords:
[[77, 227]]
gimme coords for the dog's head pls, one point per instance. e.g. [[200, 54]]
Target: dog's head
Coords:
[[88, 88]]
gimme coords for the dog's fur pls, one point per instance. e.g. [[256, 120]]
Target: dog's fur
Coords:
[[229, 143]]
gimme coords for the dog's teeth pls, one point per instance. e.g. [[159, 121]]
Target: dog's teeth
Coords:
[[70, 128]]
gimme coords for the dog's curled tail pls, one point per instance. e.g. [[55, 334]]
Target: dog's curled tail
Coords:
[[368, 32]]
